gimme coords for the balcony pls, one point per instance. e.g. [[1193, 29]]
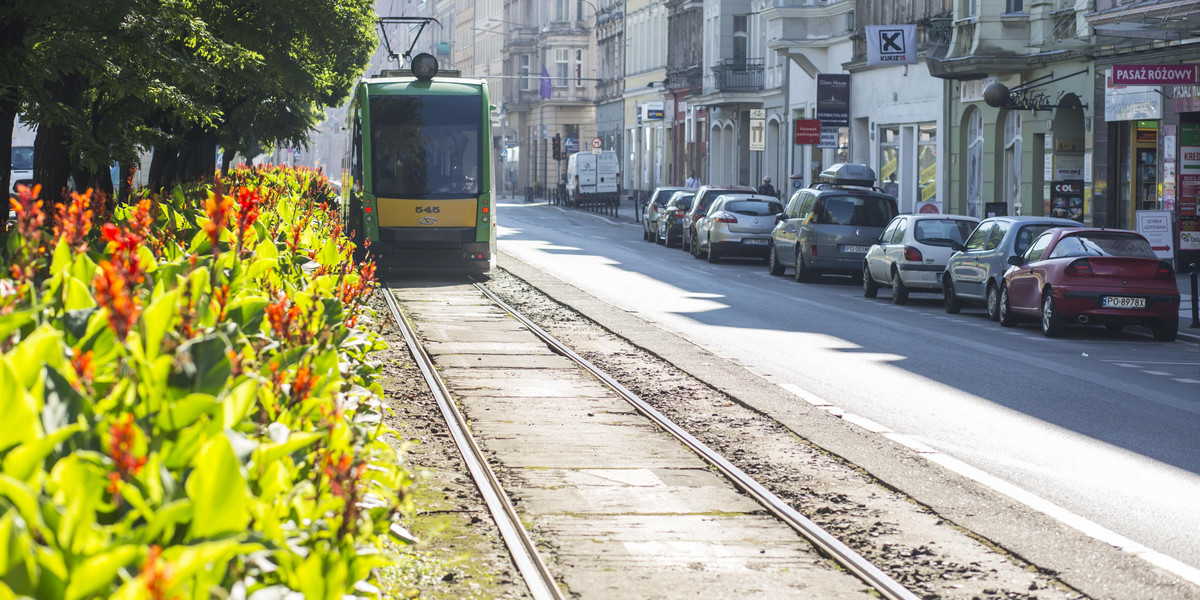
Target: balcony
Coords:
[[680, 78], [738, 75]]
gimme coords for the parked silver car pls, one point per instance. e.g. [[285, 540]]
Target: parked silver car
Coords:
[[912, 253], [736, 225], [974, 273], [654, 207], [671, 218], [829, 226]]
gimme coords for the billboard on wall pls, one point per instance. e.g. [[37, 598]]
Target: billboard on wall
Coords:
[[1189, 186], [1131, 102], [833, 100]]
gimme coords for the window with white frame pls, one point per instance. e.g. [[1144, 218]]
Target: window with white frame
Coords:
[[1012, 162], [524, 74], [562, 67], [560, 10], [578, 68]]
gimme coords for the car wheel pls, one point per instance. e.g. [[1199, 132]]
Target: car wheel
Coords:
[[949, 296], [773, 264], [1166, 330], [803, 274], [993, 302], [899, 290], [870, 288], [714, 256], [695, 248], [1053, 322], [1007, 318], [657, 237]]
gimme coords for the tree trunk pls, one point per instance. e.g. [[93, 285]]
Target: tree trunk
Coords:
[[51, 163], [8, 114], [226, 160]]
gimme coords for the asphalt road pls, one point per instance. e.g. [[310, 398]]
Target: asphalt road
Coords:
[[1101, 425]]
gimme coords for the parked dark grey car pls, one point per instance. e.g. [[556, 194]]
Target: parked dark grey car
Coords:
[[829, 227], [654, 208], [974, 272]]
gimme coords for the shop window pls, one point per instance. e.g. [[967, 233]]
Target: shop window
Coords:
[[927, 163], [975, 163]]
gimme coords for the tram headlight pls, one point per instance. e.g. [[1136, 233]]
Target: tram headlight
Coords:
[[424, 66]]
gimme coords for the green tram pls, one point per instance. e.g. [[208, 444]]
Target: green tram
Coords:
[[419, 181]]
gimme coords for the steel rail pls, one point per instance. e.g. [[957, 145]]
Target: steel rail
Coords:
[[522, 548], [825, 543]]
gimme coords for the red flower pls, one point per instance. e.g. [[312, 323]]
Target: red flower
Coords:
[[156, 574], [116, 296], [74, 221], [122, 439]]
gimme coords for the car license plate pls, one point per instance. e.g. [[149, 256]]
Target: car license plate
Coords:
[[1123, 302], [755, 241], [855, 249]]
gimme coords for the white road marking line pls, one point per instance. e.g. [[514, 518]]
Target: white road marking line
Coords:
[[1156, 372], [1015, 492], [1182, 380]]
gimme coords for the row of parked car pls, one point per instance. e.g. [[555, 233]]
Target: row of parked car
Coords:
[[1019, 267]]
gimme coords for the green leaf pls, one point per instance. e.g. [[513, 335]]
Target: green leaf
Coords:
[[62, 405], [77, 294], [248, 312], [218, 492], [14, 321], [75, 322], [97, 572], [62, 257], [22, 497], [44, 346], [156, 320], [18, 410], [269, 453], [329, 254], [23, 462], [185, 412], [239, 401], [203, 364]]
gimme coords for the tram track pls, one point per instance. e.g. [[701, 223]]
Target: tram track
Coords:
[[524, 551], [521, 546]]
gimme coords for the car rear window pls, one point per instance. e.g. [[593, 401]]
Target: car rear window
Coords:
[[754, 208], [859, 211], [1103, 243], [1027, 234], [943, 229]]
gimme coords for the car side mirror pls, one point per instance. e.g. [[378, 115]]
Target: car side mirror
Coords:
[[957, 247], [1016, 260], [779, 218]]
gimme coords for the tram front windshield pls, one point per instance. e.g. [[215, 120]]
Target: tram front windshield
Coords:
[[426, 146]]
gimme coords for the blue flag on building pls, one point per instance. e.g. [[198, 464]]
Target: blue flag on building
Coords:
[[545, 84]]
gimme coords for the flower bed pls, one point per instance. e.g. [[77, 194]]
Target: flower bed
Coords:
[[188, 408]]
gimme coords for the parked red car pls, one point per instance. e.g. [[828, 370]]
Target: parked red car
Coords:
[[1101, 276]]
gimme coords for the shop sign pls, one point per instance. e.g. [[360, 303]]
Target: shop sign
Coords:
[[1067, 168], [652, 111], [1155, 225], [1066, 200], [1154, 74], [808, 131], [829, 137], [1189, 186], [1130, 103], [833, 99]]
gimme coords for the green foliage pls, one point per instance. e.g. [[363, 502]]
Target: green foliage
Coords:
[[189, 405]]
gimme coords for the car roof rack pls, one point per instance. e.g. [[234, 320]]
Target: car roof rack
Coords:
[[847, 174]]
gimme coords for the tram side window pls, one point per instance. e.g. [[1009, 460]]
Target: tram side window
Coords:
[[356, 153], [427, 146]]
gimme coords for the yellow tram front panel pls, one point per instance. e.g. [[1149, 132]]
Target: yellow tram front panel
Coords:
[[455, 212]]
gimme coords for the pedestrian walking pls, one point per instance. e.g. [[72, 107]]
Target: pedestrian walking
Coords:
[[766, 189], [692, 181]]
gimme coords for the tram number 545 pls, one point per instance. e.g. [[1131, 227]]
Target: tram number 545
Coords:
[[429, 209]]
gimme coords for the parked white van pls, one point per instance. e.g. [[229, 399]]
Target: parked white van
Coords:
[[592, 178]]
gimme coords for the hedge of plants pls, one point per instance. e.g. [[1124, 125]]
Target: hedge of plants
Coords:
[[188, 403]]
